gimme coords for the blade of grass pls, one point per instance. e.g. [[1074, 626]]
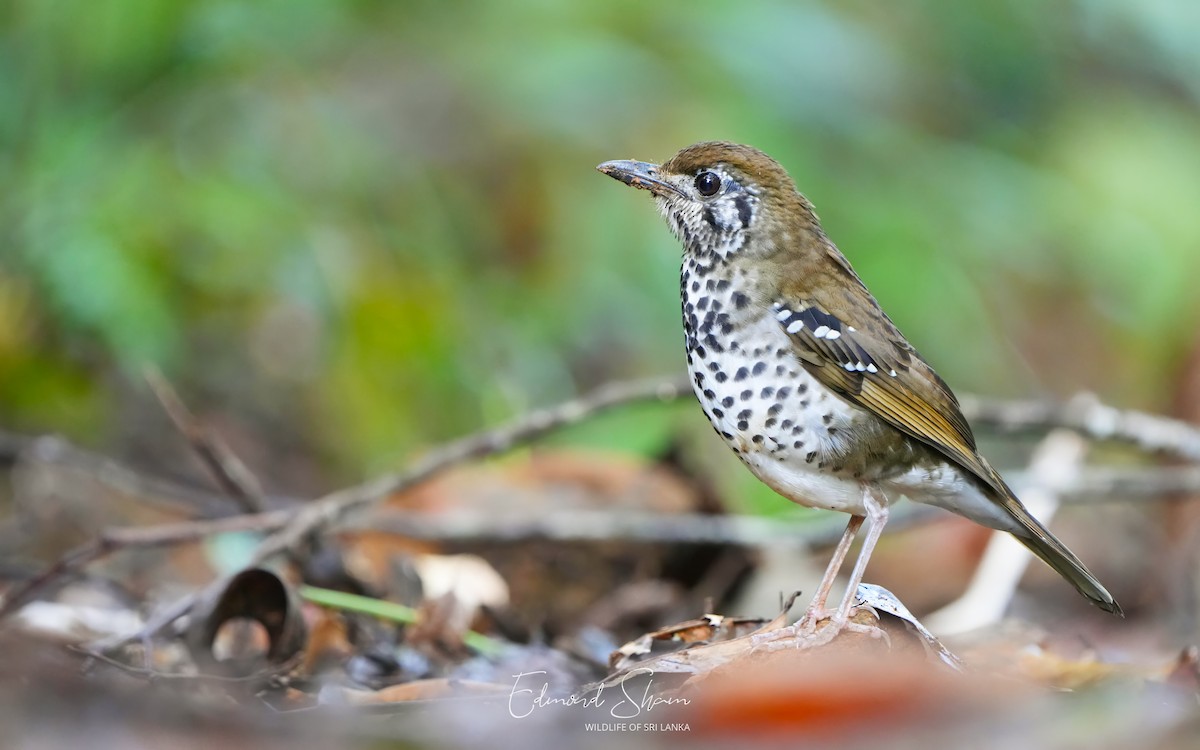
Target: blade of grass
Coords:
[[385, 610]]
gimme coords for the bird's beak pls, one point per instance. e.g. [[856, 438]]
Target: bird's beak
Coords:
[[639, 174]]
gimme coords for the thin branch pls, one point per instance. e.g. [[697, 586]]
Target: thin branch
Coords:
[[154, 675], [624, 526], [334, 507], [233, 476], [112, 540], [1085, 414]]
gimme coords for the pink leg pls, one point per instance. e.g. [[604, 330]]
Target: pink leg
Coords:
[[878, 513], [817, 608], [804, 634]]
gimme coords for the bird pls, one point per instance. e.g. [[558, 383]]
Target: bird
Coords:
[[806, 378]]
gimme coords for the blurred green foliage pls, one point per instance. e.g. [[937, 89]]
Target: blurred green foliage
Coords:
[[376, 225]]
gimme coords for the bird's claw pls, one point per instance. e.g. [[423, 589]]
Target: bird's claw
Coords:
[[807, 632]]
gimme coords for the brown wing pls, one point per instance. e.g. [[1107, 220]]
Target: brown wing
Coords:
[[874, 368]]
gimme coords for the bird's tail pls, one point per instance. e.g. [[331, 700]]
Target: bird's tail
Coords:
[[1054, 553], [1057, 556]]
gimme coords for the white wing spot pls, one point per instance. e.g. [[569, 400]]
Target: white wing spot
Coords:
[[783, 314], [892, 373], [821, 331], [872, 368], [795, 326], [833, 335]]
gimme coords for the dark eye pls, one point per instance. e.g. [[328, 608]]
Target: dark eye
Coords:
[[707, 183]]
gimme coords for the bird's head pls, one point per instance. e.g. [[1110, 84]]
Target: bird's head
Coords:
[[722, 199]]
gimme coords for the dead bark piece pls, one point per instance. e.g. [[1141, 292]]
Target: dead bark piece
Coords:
[[255, 595]]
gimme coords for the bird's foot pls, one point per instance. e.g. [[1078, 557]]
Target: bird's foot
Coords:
[[819, 628]]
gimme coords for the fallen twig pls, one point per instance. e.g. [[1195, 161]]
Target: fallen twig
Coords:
[[112, 540], [1085, 414], [233, 476]]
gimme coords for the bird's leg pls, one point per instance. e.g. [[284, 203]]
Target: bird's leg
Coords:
[[804, 630], [816, 610], [808, 636], [877, 511]]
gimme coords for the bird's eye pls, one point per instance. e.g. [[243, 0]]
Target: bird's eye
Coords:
[[707, 183]]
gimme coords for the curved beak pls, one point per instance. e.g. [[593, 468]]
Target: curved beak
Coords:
[[638, 174]]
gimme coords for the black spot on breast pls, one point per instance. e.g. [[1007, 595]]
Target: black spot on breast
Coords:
[[740, 300], [770, 422], [810, 456], [783, 392], [827, 418], [709, 395], [700, 351], [695, 286], [767, 392], [802, 388], [798, 429], [722, 285], [775, 409], [741, 374], [780, 369], [800, 444], [719, 415], [744, 414], [785, 424], [760, 368], [743, 425], [757, 438], [702, 304], [745, 395], [714, 366], [722, 377], [728, 402]]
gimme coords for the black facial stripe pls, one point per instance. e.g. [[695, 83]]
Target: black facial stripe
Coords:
[[742, 203]]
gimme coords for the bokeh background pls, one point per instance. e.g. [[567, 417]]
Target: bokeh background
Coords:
[[347, 230]]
